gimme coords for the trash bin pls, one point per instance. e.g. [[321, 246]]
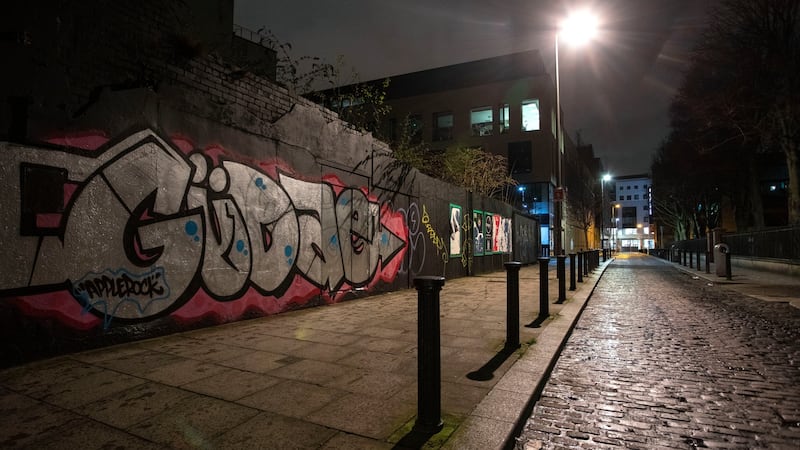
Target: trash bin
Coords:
[[720, 262]]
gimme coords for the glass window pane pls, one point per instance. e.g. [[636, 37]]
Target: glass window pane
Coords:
[[530, 115], [481, 120], [442, 126], [504, 121]]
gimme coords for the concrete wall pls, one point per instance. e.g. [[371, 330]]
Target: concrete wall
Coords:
[[208, 197]]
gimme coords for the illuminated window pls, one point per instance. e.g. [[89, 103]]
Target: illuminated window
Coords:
[[481, 121], [530, 115], [504, 121]]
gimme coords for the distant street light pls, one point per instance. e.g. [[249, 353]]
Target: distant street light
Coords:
[[577, 28]]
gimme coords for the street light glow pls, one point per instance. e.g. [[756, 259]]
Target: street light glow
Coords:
[[579, 27], [607, 177]]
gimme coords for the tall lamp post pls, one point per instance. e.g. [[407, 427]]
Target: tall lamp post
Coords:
[[603, 180], [577, 28]]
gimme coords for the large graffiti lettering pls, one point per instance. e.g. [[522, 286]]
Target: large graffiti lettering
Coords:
[[141, 228], [438, 242]]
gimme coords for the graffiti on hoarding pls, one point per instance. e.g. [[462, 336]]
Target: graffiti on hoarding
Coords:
[[141, 228], [437, 241]]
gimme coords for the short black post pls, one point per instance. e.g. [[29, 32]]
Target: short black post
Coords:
[[561, 261], [429, 364], [698, 260], [586, 255], [580, 267], [691, 260], [708, 262], [728, 265], [544, 305], [512, 304], [572, 271], [604, 255]]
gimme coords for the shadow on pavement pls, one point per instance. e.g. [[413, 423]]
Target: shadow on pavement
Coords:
[[486, 372]]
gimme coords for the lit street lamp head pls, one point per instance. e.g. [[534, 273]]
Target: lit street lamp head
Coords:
[[579, 27]]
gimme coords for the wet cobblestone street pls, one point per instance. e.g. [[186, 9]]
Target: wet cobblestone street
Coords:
[[661, 359]]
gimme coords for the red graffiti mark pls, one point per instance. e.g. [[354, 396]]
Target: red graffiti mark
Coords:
[[61, 306], [182, 143], [202, 307], [85, 140]]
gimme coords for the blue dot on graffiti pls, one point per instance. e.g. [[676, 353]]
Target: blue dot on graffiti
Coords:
[[334, 239], [240, 245], [197, 238], [191, 228], [288, 250], [290, 261], [384, 239], [259, 181]]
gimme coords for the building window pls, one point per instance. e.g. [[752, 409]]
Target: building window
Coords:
[[481, 121], [530, 115], [442, 126], [629, 197], [636, 197], [504, 120], [628, 217], [519, 157]]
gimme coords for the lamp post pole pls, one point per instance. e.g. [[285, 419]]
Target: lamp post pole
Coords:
[[558, 203], [603, 228], [603, 213], [577, 27]]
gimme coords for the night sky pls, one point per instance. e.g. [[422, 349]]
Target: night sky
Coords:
[[616, 89]]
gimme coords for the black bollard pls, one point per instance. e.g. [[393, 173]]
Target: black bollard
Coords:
[[512, 304], [572, 271], [728, 265], [429, 364], [544, 305], [708, 262], [698, 260], [586, 255], [691, 259], [580, 267], [560, 271]]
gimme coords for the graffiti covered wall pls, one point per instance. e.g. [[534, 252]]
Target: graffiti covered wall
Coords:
[[109, 235], [143, 228]]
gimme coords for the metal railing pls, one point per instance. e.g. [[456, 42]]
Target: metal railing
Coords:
[[778, 243]]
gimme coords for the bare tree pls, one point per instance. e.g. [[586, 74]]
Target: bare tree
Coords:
[[743, 87]]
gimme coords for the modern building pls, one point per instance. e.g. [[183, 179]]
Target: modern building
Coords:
[[631, 211], [504, 105]]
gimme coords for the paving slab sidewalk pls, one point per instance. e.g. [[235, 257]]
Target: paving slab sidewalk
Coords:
[[339, 376]]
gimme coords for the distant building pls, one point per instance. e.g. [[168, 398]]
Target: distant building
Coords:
[[631, 203], [504, 105]]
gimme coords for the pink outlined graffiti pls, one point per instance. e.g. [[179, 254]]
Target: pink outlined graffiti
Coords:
[[140, 228]]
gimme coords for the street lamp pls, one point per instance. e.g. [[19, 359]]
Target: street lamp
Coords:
[[577, 28], [603, 180]]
